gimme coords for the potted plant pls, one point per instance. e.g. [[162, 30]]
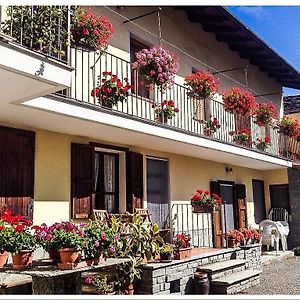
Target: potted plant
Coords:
[[288, 127], [165, 111], [201, 84], [102, 284], [111, 90], [69, 237], [97, 239], [256, 236], [248, 235], [157, 66], [203, 201], [239, 101], [241, 137], [182, 246], [166, 252], [234, 238], [90, 30], [265, 113], [262, 144], [128, 273], [5, 236], [211, 126]]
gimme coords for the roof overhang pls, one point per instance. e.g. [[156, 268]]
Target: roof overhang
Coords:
[[240, 38]]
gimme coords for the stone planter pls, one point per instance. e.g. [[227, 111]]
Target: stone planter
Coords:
[[202, 209], [182, 253], [3, 258], [22, 260]]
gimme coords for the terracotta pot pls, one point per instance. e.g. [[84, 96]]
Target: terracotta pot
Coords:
[[129, 290], [3, 258], [54, 254], [22, 260], [202, 209], [159, 119], [182, 253], [69, 255]]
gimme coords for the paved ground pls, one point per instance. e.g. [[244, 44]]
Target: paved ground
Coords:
[[279, 277]]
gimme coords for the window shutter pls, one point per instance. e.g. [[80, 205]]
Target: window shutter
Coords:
[[17, 170], [82, 180], [216, 217], [241, 205], [135, 182]]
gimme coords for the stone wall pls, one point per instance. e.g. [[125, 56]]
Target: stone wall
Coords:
[[177, 276]]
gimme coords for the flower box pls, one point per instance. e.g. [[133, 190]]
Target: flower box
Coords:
[[182, 253], [202, 209]]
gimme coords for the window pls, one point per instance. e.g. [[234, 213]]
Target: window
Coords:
[[138, 88]]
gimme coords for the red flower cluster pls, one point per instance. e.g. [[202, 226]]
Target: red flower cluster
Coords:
[[211, 126], [244, 234], [239, 101], [111, 90], [205, 198], [265, 113], [247, 233], [182, 240], [262, 144], [289, 127], [166, 109], [235, 235], [202, 83], [91, 30], [18, 221]]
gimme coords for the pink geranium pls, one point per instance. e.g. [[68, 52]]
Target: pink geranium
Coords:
[[157, 65]]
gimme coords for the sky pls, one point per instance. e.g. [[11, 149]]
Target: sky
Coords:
[[279, 26]]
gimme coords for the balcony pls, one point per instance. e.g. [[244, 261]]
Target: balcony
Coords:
[[88, 68]]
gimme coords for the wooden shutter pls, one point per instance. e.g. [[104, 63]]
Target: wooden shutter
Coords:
[[135, 182], [17, 170], [241, 205], [216, 217], [82, 184]]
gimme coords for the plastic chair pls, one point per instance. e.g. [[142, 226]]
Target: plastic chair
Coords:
[[100, 215], [269, 234]]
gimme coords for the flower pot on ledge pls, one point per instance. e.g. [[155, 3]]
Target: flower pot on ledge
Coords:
[[232, 243], [3, 258], [22, 260], [161, 120], [69, 255], [182, 253], [202, 209]]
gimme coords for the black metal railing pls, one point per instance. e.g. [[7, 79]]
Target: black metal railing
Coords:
[[89, 67], [46, 29], [41, 28], [197, 225]]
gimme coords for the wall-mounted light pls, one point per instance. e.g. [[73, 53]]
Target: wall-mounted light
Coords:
[[228, 170]]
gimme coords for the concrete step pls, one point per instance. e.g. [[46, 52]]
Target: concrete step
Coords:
[[223, 268], [235, 282], [15, 284]]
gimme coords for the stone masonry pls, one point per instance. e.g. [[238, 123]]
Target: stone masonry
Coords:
[[176, 277]]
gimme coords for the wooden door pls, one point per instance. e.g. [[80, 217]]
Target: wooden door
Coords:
[[216, 218], [135, 181], [17, 170], [82, 180], [242, 220]]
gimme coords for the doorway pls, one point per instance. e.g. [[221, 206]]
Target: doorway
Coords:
[[158, 190], [107, 181], [228, 205], [259, 200]]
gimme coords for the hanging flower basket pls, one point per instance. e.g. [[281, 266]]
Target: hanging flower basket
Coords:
[[90, 30], [204, 201], [201, 84], [239, 101], [265, 113], [157, 66]]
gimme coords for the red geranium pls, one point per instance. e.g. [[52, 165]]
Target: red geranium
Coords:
[[205, 198], [239, 101], [91, 30], [265, 113], [202, 83]]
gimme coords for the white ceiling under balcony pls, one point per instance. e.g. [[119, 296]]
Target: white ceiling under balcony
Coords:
[[64, 117], [25, 74]]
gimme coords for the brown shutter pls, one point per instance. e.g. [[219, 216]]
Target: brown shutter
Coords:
[[216, 218], [241, 205], [17, 170], [135, 182], [82, 176]]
